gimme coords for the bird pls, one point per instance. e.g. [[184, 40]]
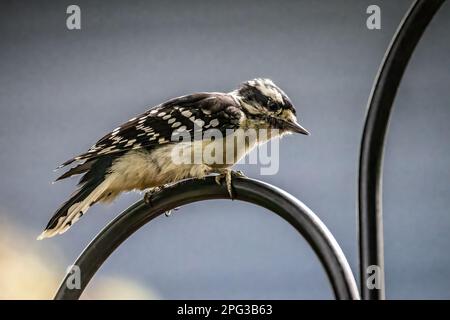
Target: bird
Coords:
[[139, 154]]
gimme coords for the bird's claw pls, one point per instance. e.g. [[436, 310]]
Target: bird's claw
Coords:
[[238, 174], [149, 195], [228, 175]]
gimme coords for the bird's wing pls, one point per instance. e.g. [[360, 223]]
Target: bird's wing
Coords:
[[200, 111]]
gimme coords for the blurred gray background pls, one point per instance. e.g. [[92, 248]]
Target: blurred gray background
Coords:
[[61, 90]]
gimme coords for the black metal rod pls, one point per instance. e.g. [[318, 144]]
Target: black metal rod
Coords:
[[380, 103], [253, 191]]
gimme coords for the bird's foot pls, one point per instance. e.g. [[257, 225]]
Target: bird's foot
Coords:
[[238, 174], [150, 193], [228, 175]]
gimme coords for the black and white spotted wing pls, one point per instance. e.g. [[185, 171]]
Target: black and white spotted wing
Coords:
[[200, 111]]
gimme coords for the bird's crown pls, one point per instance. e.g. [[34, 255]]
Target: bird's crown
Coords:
[[262, 95]]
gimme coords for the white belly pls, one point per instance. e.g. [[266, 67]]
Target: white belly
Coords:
[[141, 169]]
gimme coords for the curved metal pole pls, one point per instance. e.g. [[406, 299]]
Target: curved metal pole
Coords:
[[380, 103], [253, 191]]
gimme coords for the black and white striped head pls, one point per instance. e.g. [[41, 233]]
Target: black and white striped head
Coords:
[[262, 100]]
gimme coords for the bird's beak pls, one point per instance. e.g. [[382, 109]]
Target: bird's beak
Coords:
[[293, 126]]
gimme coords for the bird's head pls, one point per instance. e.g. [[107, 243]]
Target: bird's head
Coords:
[[264, 102]]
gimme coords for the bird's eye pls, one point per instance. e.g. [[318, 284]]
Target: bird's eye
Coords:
[[273, 106]]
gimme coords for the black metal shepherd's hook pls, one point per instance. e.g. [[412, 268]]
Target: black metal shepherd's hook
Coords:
[[382, 96], [249, 190]]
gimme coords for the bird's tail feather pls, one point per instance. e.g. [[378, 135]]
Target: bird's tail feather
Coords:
[[94, 186], [72, 210], [81, 168]]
